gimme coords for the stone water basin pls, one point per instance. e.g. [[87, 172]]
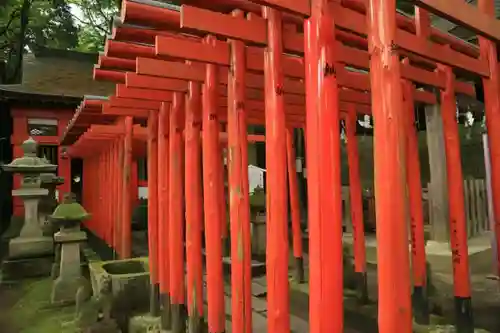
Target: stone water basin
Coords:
[[130, 283]]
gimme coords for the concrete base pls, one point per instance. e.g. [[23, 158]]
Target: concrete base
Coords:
[[16, 269], [439, 254], [144, 324], [28, 247]]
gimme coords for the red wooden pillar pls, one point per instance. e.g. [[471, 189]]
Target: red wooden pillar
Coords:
[[117, 167], [134, 184], [293, 189], [153, 240], [324, 185], [420, 302], [456, 207], [176, 216], [239, 209], [194, 208], [101, 220], [489, 51], [356, 198], [125, 235], [163, 213], [278, 299], [213, 223], [107, 170], [392, 240], [63, 163], [222, 189]]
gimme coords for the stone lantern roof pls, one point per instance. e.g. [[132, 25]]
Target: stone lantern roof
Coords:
[[70, 210], [29, 162]]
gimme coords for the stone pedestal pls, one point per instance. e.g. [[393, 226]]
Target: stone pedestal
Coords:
[[70, 274], [258, 225], [31, 251], [31, 242]]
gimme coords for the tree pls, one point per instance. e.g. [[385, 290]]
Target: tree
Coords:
[[29, 24], [94, 19]]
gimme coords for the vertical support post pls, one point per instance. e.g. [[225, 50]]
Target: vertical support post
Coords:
[[108, 171], [241, 270], [102, 198], [356, 198], [420, 299], [134, 183], [126, 231], [194, 209], [293, 189], [221, 191], [489, 52], [153, 239], [438, 197], [458, 227], [491, 213], [323, 172], [118, 208], [278, 298], [213, 223], [176, 218], [163, 214], [394, 314]]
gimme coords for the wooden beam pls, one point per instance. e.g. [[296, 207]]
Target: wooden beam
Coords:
[[465, 15]]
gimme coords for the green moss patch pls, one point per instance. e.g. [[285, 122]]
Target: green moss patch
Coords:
[[32, 313]]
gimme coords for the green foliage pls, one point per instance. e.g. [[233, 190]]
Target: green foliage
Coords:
[[28, 24], [94, 21]]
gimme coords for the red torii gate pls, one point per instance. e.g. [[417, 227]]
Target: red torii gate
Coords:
[[322, 59], [100, 146]]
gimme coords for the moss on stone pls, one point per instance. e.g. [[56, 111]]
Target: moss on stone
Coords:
[[258, 198], [70, 212]]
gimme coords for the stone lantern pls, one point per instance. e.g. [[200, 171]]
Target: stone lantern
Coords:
[[68, 215], [48, 203], [30, 253], [258, 221]]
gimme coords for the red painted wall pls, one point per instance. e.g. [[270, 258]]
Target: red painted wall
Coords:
[[20, 133]]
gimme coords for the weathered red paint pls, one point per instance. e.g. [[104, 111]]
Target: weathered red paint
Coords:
[[125, 223], [456, 208], [175, 201], [153, 239], [355, 193], [163, 197], [323, 141], [395, 313], [293, 194], [278, 299], [194, 201], [213, 234], [241, 274], [414, 192]]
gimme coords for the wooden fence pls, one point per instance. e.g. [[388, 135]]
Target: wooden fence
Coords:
[[476, 207]]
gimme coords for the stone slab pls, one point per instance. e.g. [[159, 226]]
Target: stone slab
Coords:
[[439, 254], [30, 247], [16, 269]]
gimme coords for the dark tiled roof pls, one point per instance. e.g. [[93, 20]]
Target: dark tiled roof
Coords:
[[58, 73]]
